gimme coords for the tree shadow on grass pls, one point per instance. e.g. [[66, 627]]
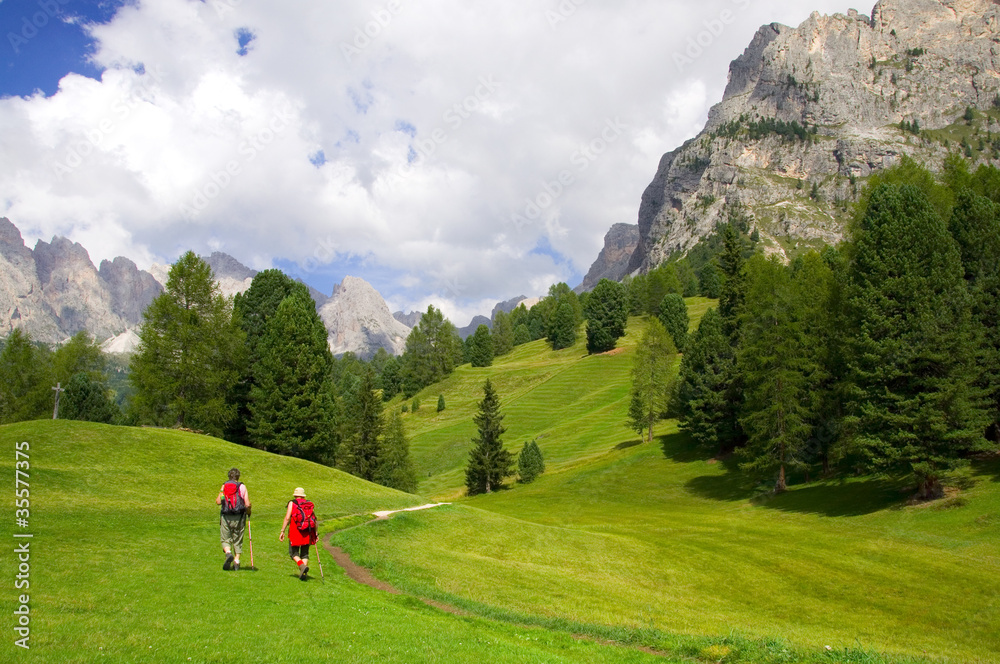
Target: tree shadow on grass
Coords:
[[849, 497], [629, 444], [680, 447]]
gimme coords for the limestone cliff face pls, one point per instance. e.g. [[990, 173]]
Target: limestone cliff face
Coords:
[[359, 321], [613, 261], [54, 290], [850, 81]]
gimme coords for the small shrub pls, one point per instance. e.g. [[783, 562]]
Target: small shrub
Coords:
[[440, 402], [416, 405]]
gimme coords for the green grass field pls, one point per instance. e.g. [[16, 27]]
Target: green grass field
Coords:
[[651, 546]]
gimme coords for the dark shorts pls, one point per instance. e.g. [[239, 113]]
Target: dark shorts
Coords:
[[300, 551]]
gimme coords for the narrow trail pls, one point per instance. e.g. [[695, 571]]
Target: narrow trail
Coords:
[[362, 575]]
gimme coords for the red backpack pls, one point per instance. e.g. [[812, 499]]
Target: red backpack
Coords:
[[304, 517], [232, 499]]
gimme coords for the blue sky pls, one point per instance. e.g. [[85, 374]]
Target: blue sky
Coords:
[[44, 41], [414, 145]]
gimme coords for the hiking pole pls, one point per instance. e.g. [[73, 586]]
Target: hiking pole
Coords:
[[250, 535], [319, 545]]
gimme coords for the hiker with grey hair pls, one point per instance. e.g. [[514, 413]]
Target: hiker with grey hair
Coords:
[[300, 519], [234, 500]]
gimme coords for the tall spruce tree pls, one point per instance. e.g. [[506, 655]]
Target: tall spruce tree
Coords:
[[254, 309], [674, 316], [489, 462], [606, 312], [776, 368], [652, 378], [914, 401], [190, 352], [706, 374], [362, 446], [563, 327], [502, 334], [394, 467], [975, 225], [481, 347], [292, 408]]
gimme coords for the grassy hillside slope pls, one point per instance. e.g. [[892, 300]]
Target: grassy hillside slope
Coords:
[[574, 405], [125, 563], [658, 538]]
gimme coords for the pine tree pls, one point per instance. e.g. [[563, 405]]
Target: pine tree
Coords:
[[440, 402], [489, 462], [606, 312], [292, 408], [481, 347], [709, 281], [652, 378], [914, 404], [503, 334], [530, 463], [775, 365], [433, 350], [190, 353], [88, 400], [25, 380], [521, 335], [562, 329], [703, 394], [674, 316], [253, 310], [394, 466], [362, 445], [975, 225]]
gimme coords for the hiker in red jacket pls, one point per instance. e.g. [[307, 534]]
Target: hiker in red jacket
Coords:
[[235, 503], [300, 519]]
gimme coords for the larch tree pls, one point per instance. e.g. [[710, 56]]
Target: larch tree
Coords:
[[652, 379], [190, 352]]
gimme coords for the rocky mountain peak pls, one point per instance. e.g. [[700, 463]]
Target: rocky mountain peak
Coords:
[[612, 263], [359, 320], [810, 112]]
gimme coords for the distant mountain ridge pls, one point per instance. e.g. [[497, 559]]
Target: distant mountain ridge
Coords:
[[54, 291]]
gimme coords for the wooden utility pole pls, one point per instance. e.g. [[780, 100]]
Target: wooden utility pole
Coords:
[[58, 389]]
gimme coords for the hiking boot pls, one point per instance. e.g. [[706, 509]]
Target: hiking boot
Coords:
[[236, 567], [305, 570], [228, 565]]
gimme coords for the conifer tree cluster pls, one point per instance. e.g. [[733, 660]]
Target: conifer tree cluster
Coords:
[[880, 356], [530, 463]]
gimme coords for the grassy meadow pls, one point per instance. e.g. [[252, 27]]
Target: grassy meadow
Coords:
[[620, 552]]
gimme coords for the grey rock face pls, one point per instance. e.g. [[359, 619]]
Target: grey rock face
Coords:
[[851, 79], [613, 261], [470, 329], [506, 307], [410, 320], [359, 321], [131, 289]]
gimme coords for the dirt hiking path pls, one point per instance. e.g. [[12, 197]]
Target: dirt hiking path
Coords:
[[362, 575]]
